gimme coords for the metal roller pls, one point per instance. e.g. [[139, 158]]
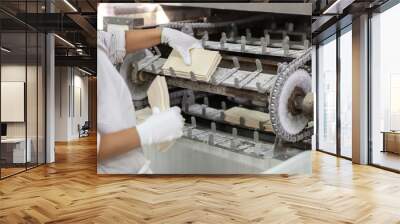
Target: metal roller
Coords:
[[130, 73]]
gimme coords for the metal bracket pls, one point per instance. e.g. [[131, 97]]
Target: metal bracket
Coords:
[[248, 34], [236, 82], [258, 66], [203, 110], [263, 45], [189, 133], [211, 139], [286, 45], [290, 27], [233, 140], [250, 76], [243, 44], [223, 40], [259, 87], [256, 137], [193, 121], [186, 107], [306, 44], [236, 62], [223, 105], [205, 99], [204, 39], [213, 127]]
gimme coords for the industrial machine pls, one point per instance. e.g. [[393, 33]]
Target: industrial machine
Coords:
[[265, 67]]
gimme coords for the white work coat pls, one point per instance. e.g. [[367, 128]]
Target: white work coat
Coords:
[[115, 113]]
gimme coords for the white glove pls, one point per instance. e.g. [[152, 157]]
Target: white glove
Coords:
[[181, 42], [161, 126]]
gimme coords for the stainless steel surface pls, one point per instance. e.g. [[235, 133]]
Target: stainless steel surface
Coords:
[[282, 8]]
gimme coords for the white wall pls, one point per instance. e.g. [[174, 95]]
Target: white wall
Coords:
[[71, 94]]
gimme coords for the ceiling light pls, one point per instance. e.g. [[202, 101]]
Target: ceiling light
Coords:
[[64, 40], [70, 5], [84, 71], [5, 50]]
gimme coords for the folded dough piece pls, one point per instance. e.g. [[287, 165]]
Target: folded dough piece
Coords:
[[158, 96], [204, 64], [252, 117], [157, 93]]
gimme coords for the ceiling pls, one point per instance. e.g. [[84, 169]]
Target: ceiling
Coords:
[[72, 20]]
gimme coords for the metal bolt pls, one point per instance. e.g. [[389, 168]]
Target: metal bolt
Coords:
[[193, 121]]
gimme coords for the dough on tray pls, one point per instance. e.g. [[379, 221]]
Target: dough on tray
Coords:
[[204, 64], [252, 117]]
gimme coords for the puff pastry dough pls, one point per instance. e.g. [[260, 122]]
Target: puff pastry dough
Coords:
[[204, 64], [252, 117], [157, 93], [158, 96]]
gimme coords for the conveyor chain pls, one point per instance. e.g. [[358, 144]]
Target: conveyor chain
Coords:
[[284, 72]]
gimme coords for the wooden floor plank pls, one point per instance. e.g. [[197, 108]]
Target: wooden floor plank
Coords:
[[70, 191]]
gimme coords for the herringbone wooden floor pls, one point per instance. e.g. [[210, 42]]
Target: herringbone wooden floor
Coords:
[[70, 191]]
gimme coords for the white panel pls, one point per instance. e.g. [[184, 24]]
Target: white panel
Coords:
[[12, 101], [395, 102], [327, 96], [346, 76], [283, 8]]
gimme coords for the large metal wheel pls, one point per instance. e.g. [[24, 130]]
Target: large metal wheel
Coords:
[[290, 101], [129, 72]]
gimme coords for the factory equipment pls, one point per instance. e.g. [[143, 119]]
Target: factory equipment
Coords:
[[265, 67]]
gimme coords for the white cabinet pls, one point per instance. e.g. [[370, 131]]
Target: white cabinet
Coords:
[[16, 146]]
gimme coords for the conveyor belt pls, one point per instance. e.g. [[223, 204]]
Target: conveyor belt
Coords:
[[277, 50], [230, 142], [217, 115], [234, 77]]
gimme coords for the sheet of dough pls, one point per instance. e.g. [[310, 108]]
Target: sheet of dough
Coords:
[[158, 96], [252, 117], [204, 63]]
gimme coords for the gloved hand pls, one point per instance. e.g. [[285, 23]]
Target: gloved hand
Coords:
[[181, 42], [161, 126]]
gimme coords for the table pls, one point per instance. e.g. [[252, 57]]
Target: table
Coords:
[[13, 150], [391, 141]]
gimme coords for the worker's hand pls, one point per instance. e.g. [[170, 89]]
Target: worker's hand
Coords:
[[161, 126], [181, 42]]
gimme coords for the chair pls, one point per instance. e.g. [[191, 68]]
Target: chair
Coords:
[[84, 130]]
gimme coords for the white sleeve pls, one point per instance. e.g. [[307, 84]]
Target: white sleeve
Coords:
[[114, 103]]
